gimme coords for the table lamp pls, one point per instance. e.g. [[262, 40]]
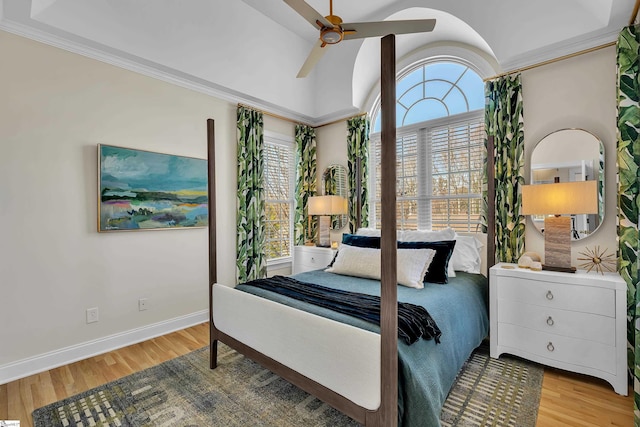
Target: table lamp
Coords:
[[325, 206], [560, 198]]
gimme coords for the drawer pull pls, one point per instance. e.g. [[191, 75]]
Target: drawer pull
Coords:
[[549, 295], [550, 321], [550, 347], [313, 260]]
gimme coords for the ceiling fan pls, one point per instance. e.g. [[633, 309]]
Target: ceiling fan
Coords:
[[333, 30]]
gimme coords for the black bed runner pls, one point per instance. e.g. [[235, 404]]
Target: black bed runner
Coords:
[[414, 321]]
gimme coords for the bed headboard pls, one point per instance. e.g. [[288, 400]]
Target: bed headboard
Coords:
[[482, 238]]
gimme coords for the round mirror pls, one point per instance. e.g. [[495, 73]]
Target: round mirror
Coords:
[[334, 183], [570, 155]]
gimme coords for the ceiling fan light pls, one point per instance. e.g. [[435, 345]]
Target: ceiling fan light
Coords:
[[330, 35]]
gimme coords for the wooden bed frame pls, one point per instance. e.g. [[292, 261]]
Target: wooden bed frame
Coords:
[[387, 413]]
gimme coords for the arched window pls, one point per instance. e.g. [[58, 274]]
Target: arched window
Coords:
[[440, 143]]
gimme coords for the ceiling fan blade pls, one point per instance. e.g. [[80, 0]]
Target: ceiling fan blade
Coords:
[[314, 56], [309, 13], [382, 28]]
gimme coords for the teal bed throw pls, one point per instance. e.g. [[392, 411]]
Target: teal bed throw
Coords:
[[426, 370]]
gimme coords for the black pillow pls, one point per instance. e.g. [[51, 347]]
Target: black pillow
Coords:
[[437, 272]]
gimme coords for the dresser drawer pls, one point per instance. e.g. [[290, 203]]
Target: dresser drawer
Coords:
[[540, 345], [307, 258], [314, 263], [574, 321], [563, 296], [584, 326]]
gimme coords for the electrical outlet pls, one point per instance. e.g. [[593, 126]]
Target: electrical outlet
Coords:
[[143, 304], [92, 315]]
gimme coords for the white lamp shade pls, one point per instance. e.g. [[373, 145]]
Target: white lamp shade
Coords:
[[579, 197], [327, 205]]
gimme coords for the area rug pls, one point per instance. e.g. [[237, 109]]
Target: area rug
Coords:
[[494, 392], [185, 392]]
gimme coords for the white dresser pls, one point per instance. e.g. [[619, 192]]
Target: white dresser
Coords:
[[569, 321], [306, 258]]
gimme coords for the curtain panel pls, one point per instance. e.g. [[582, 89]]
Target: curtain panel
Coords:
[[628, 154], [251, 260], [358, 170], [306, 183], [505, 121]]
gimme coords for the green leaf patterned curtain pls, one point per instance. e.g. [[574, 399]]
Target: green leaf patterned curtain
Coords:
[[306, 179], [358, 148], [628, 54], [504, 120], [251, 260]]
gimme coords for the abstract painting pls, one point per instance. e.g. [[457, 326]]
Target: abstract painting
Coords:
[[143, 190]]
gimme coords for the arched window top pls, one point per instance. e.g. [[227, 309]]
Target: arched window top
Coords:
[[431, 90]]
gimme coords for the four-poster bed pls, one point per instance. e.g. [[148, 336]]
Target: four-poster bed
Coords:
[[348, 365]]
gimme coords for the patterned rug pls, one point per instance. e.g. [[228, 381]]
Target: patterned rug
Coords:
[[185, 392], [494, 392]]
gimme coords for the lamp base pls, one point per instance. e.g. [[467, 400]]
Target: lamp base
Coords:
[[557, 243], [561, 269], [323, 232]]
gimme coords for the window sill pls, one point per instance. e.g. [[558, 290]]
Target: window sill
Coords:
[[280, 262]]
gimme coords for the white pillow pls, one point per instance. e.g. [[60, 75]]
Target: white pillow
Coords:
[[365, 262], [430, 236], [418, 236], [466, 254], [373, 232], [427, 236]]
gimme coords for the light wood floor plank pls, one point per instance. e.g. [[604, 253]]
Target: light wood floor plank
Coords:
[[567, 399]]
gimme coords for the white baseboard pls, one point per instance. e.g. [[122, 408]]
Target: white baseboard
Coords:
[[43, 362]]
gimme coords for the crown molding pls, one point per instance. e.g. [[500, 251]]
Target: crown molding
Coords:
[[337, 116], [558, 50], [148, 68]]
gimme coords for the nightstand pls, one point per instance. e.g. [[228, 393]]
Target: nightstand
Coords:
[[575, 322], [306, 258]]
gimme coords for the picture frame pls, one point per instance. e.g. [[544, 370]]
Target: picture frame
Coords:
[[146, 190]]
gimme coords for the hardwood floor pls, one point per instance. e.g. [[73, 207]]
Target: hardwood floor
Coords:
[[567, 399]]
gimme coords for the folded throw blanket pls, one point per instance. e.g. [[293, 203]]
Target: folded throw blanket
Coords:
[[414, 321]]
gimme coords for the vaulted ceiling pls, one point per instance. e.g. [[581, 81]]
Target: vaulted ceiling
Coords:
[[250, 51]]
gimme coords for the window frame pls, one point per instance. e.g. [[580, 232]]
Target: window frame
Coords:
[[406, 71], [424, 169], [288, 142]]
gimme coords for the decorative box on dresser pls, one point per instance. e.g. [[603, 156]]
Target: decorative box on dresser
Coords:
[[572, 321], [306, 258]]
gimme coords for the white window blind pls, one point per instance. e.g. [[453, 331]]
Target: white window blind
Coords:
[[439, 173], [456, 174], [278, 165]]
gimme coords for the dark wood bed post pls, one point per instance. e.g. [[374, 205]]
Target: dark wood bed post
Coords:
[[213, 259], [358, 193], [491, 203], [388, 413]]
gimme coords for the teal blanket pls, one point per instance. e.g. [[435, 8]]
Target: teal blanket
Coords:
[[426, 370]]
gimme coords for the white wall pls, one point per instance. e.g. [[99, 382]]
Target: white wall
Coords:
[[331, 141], [579, 92], [55, 107]]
